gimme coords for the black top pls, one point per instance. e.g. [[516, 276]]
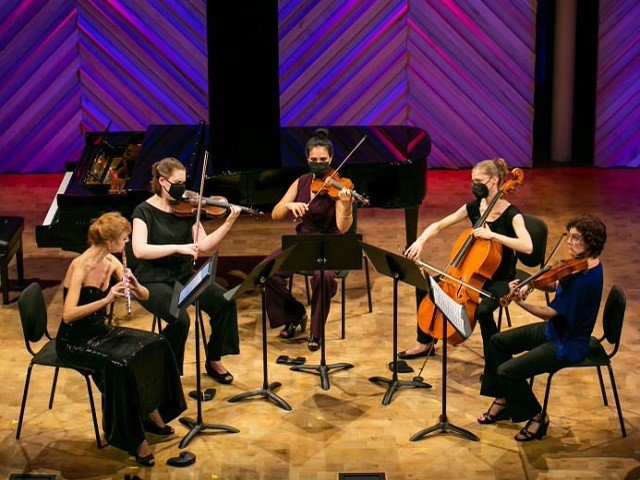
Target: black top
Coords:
[[504, 226], [321, 215], [163, 229]]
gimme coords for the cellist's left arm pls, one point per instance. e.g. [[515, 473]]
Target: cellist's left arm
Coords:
[[522, 241]]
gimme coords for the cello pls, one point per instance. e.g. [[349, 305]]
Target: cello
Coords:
[[472, 262]]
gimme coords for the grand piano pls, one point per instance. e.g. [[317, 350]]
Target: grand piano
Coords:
[[114, 173]]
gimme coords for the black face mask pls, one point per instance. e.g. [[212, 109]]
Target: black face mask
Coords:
[[176, 190], [479, 190], [319, 168]]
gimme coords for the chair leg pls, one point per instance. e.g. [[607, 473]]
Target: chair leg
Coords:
[[615, 397], [290, 284], [53, 387], [604, 393], [24, 401], [500, 318], [366, 274], [506, 311], [4, 281], [343, 300], [546, 395], [306, 285], [20, 265], [153, 324], [93, 411]]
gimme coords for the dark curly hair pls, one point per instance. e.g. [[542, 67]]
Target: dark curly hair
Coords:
[[320, 139], [593, 231]]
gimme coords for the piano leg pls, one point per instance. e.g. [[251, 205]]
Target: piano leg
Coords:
[[411, 233]]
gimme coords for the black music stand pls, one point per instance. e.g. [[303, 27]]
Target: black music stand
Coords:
[[401, 269], [183, 296], [451, 312], [323, 252], [258, 277]]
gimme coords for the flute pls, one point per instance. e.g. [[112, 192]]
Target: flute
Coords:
[[125, 279]]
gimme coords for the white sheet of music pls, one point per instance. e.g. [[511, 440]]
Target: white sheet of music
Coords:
[[455, 312]]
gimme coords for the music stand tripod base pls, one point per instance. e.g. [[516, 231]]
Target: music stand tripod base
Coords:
[[395, 384], [322, 370], [443, 426], [196, 427]]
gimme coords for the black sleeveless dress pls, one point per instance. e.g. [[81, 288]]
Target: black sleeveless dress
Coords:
[[135, 371]]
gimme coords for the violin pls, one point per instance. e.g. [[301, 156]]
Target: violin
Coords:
[[332, 183], [549, 275], [213, 207]]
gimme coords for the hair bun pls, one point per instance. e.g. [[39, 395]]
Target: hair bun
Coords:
[[322, 133]]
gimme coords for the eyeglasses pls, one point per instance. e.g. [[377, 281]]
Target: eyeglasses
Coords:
[[574, 238]]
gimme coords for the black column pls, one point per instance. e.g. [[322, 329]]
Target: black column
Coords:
[[244, 109]]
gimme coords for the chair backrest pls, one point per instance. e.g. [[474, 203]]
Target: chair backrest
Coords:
[[613, 316], [33, 314], [538, 231]]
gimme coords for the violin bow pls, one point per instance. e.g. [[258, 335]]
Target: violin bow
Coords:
[[199, 209]]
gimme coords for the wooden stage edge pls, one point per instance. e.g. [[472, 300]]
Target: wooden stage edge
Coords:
[[346, 429]]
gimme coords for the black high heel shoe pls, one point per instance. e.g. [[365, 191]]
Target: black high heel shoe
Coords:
[[225, 378], [151, 427], [289, 330], [313, 344], [146, 461], [488, 418], [527, 435]]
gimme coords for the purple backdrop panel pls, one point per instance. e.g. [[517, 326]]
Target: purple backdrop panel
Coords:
[[342, 62], [471, 79], [617, 139], [462, 71], [67, 67]]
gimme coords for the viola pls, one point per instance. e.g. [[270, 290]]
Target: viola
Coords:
[[548, 276], [213, 206], [332, 184], [472, 262]]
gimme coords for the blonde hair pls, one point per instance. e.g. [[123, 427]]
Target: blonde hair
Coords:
[[494, 167], [108, 227], [163, 168]]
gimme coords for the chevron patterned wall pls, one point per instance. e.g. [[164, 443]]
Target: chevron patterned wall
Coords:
[[67, 67], [617, 141], [460, 70]]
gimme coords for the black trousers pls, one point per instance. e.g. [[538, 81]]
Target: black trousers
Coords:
[[484, 313], [507, 376], [223, 318]]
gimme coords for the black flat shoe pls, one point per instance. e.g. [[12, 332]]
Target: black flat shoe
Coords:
[[151, 427], [313, 343], [225, 378], [527, 435], [431, 351], [488, 418], [289, 330]]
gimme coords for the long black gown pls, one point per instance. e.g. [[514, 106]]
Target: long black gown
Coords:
[[135, 371]]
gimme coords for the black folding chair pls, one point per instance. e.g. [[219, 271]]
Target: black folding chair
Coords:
[[33, 315]]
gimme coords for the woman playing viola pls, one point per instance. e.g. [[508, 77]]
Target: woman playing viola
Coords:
[[316, 214], [165, 251], [135, 370], [563, 339], [504, 225]]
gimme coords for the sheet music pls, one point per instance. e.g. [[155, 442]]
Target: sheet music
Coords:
[[455, 312]]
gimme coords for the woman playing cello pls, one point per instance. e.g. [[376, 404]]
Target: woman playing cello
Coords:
[[504, 225]]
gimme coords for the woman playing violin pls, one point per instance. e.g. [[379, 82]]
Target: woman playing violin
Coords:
[[165, 251], [504, 225], [316, 213], [561, 340]]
